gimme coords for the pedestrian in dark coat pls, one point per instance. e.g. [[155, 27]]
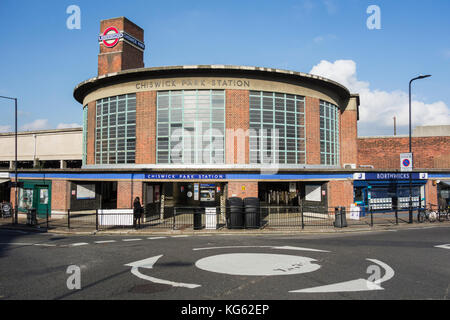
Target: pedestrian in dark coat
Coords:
[[137, 212]]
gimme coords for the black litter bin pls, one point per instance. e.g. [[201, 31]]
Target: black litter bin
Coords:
[[252, 216], [235, 213], [340, 218], [198, 218], [31, 217]]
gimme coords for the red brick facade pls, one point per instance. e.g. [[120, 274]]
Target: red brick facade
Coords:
[[237, 117], [431, 194], [126, 192], [340, 193], [384, 153], [91, 125], [312, 109], [60, 195], [123, 56], [348, 129], [242, 189], [146, 127]]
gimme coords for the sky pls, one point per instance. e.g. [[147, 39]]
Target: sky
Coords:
[[373, 53]]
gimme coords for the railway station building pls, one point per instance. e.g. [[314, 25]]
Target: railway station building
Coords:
[[180, 135]]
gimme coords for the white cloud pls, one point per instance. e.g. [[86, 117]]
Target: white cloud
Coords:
[[379, 107], [331, 6], [68, 125], [4, 129], [39, 124]]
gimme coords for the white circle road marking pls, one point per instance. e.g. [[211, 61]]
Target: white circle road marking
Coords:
[[272, 247], [257, 264]]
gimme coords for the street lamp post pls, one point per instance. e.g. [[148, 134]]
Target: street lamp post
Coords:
[[15, 162], [410, 145]]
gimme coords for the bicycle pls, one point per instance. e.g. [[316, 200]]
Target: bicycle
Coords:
[[427, 213]]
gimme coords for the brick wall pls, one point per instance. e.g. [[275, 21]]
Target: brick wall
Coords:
[[146, 127], [235, 189], [126, 192], [312, 130], [431, 194], [348, 130], [123, 56], [60, 195], [340, 193], [384, 153], [237, 117], [91, 125]]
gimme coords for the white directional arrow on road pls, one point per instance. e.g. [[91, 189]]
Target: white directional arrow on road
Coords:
[[148, 264], [444, 246], [353, 285]]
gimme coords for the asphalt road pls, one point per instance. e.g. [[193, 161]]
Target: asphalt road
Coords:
[[395, 264]]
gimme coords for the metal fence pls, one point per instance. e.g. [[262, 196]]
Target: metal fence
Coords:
[[219, 218]]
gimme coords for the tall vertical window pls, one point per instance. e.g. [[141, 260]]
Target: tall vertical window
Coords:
[[85, 127], [115, 141], [191, 127], [329, 134], [277, 128]]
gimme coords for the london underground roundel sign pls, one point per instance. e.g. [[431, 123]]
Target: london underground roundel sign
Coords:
[[110, 37]]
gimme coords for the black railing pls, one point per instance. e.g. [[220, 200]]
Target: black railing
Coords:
[[222, 218]]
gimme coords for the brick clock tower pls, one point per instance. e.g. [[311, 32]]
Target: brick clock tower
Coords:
[[121, 46]]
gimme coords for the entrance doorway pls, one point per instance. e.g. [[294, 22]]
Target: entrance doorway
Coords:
[[36, 195], [42, 204], [152, 200]]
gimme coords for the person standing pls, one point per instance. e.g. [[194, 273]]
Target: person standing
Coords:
[[137, 212]]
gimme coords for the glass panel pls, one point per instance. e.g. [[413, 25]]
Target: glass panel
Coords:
[[197, 122]]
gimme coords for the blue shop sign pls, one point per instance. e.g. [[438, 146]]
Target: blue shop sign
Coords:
[[390, 176]]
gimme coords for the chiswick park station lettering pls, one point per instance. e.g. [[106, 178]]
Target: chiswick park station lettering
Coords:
[[195, 83], [185, 176]]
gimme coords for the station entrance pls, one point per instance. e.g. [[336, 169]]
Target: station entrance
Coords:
[[160, 198]]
